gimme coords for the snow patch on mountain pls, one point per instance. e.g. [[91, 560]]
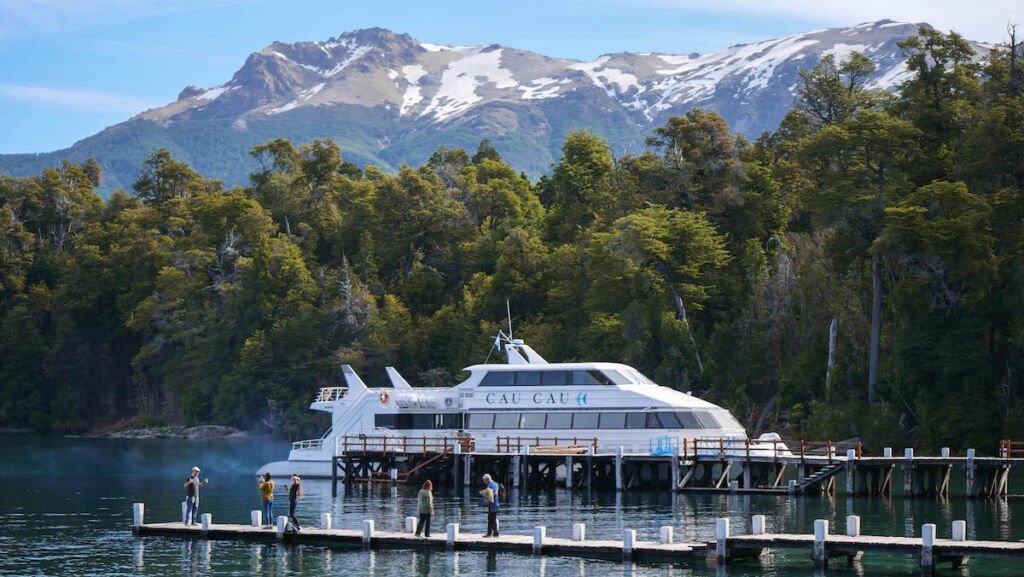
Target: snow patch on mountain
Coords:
[[605, 77], [413, 73], [540, 89], [478, 67]]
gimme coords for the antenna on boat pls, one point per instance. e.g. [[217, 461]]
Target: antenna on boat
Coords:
[[508, 311]]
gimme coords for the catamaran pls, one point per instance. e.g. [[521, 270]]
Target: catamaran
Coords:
[[611, 405]]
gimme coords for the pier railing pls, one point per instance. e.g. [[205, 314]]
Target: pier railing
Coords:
[[545, 444], [771, 448], [1011, 449], [384, 444]]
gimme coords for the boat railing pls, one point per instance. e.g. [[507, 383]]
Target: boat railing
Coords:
[[328, 394], [723, 447], [308, 445], [511, 444]]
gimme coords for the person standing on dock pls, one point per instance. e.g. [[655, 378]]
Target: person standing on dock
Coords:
[[489, 499], [294, 492], [192, 485], [425, 502], [267, 492]]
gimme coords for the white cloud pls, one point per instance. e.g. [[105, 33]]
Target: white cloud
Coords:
[[27, 18], [983, 20], [75, 99]]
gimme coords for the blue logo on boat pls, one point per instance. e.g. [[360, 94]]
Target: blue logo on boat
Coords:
[[581, 398]]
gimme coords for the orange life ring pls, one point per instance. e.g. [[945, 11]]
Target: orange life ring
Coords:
[[384, 398]]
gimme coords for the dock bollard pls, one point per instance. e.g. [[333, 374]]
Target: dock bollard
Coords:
[[207, 521], [367, 531], [452, 534], [944, 452], [666, 534], [282, 523], [538, 538], [927, 544], [184, 512], [853, 526], [757, 522], [820, 534], [851, 454], [579, 532], [721, 539], [410, 524], [887, 452], [256, 518], [628, 541], [138, 516], [325, 520], [959, 530]]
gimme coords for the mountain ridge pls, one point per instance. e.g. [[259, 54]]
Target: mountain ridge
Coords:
[[390, 99]]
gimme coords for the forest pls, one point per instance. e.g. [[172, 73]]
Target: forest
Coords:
[[859, 272]]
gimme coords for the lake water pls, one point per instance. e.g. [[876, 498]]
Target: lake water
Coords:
[[65, 509]]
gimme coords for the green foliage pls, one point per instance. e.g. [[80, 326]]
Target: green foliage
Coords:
[[712, 264]]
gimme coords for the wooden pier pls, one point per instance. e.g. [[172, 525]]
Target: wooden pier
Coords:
[[821, 546], [720, 465], [537, 543]]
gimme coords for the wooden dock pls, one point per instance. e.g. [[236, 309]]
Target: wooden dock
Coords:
[[931, 550], [699, 465], [727, 548], [538, 543]]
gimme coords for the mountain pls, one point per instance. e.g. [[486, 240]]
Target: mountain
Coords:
[[389, 99]]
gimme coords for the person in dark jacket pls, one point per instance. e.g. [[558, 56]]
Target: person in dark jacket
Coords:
[[294, 492], [425, 507], [192, 485]]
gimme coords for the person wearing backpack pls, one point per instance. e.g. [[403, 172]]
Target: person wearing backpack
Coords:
[[489, 498]]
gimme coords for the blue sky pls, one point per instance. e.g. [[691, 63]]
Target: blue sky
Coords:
[[69, 68]]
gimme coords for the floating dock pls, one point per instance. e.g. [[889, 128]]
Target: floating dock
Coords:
[[727, 548]]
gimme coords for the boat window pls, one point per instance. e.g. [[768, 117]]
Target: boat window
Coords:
[[481, 421], [532, 421], [584, 420], [451, 420], [688, 420], [707, 421], [653, 422], [386, 421], [616, 377], [528, 378], [668, 420], [423, 421], [498, 378], [555, 377], [636, 420], [588, 378], [613, 421], [559, 421], [506, 421]]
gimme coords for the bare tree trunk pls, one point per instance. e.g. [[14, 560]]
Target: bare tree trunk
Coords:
[[876, 323], [681, 310], [831, 357]]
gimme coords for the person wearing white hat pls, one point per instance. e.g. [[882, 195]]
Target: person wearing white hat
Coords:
[[192, 485]]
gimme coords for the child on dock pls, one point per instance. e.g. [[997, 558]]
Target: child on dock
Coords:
[[425, 502]]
